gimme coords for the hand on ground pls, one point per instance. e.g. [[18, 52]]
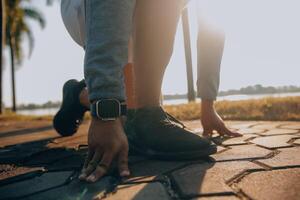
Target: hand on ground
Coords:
[[107, 141], [211, 121]]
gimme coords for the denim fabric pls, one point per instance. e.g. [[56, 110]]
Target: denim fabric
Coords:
[[108, 28], [109, 25]]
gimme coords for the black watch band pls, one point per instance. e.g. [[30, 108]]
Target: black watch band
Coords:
[[108, 109]]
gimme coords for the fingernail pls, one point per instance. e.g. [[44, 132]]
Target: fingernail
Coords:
[[91, 178], [125, 173], [82, 176]]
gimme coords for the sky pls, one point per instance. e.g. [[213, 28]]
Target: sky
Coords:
[[262, 47]]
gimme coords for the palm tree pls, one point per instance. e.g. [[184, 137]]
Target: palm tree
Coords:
[[2, 6], [16, 29]]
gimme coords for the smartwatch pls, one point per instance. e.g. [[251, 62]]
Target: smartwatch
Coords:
[[108, 109]]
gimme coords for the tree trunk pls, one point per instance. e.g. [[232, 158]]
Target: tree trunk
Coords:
[[13, 87], [2, 26], [188, 55]]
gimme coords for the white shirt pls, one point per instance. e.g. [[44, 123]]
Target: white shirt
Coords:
[[73, 15]]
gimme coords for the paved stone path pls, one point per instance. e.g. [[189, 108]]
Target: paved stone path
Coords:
[[263, 164]]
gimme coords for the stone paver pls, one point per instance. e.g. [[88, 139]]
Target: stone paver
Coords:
[[37, 164], [151, 169], [268, 126], [241, 124], [148, 191], [209, 178], [238, 140], [297, 141], [221, 149], [229, 197], [279, 131], [76, 190], [242, 152], [31, 186], [286, 158], [291, 126], [275, 185], [251, 131], [19, 127], [273, 142]]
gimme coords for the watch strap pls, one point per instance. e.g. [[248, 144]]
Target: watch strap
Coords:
[[123, 109]]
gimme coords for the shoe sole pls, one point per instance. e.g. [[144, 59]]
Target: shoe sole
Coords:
[[60, 113]]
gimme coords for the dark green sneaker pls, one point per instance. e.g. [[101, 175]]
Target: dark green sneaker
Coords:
[[71, 112], [152, 132]]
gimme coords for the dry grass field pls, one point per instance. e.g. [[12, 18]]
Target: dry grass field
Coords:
[[269, 109]]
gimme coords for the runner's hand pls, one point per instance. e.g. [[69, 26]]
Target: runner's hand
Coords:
[[106, 142], [211, 121]]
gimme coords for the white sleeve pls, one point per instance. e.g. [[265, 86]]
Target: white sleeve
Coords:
[[73, 15]]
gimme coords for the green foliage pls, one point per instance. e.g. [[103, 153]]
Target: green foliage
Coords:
[[17, 15]]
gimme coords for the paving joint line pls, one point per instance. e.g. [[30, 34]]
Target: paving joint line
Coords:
[[270, 155], [286, 167], [216, 194], [175, 187], [279, 134], [273, 148], [170, 190], [241, 144], [238, 177], [265, 166], [281, 127], [240, 193], [292, 140], [141, 181], [71, 138], [253, 125]]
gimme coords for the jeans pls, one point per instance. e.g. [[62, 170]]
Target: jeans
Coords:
[[108, 28], [103, 28]]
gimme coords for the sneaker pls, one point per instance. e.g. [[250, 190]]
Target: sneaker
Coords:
[[71, 112], [153, 133]]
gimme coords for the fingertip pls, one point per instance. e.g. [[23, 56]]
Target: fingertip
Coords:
[[91, 178], [125, 173], [236, 134], [82, 177]]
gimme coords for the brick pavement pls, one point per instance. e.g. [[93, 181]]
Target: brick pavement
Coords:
[[263, 164]]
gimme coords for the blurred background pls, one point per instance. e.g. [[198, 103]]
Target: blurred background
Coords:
[[260, 56]]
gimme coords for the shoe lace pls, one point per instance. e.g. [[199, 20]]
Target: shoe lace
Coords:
[[174, 121]]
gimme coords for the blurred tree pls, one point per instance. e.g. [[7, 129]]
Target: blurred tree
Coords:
[[17, 27], [49, 2], [2, 27]]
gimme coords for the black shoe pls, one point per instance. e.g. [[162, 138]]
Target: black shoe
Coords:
[[70, 115], [152, 132]]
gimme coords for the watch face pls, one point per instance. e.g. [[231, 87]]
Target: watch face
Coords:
[[108, 109]]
